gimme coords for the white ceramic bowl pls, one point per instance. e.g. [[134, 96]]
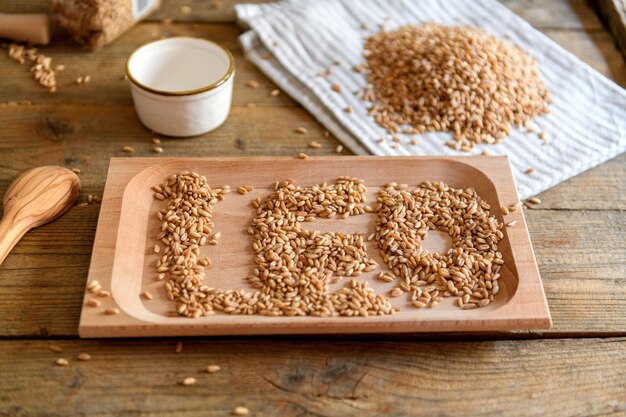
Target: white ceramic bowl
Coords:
[[181, 86]]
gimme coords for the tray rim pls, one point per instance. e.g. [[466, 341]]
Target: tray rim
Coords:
[[125, 325]]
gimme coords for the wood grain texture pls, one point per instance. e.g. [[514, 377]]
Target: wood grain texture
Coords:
[[317, 378], [128, 269], [580, 256], [577, 234], [83, 137], [543, 14], [35, 197], [106, 66]]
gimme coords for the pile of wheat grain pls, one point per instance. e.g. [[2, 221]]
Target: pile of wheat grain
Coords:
[[294, 266], [458, 79], [470, 270]]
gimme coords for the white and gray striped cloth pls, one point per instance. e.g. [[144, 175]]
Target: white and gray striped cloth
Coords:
[[292, 41]]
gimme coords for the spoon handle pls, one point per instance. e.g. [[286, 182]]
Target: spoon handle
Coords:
[[11, 231]]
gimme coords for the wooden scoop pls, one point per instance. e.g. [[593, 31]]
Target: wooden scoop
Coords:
[[36, 197]]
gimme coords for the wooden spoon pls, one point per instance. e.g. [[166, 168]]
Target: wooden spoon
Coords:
[[36, 197]]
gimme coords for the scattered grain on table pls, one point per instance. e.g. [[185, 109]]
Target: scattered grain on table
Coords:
[[240, 411], [216, 5], [211, 369], [83, 356], [189, 381]]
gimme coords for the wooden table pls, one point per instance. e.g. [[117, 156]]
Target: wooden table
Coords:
[[576, 369]]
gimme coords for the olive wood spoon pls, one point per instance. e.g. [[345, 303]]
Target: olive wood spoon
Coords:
[[36, 197]]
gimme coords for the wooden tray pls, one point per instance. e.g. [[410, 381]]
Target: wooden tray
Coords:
[[123, 260]]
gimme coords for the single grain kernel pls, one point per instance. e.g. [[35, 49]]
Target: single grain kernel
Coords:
[[213, 369], [179, 347], [84, 356], [189, 381], [92, 302], [62, 362], [240, 411], [128, 149], [300, 130], [111, 311], [302, 155], [55, 348]]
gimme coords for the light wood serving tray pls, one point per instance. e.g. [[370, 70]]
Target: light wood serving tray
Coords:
[[123, 259]]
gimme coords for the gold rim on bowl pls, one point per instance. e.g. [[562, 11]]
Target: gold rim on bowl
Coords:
[[222, 80]]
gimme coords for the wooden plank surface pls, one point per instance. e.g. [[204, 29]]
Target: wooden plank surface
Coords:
[[580, 257], [577, 233], [544, 14], [304, 377]]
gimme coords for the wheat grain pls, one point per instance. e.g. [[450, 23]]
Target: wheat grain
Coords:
[[458, 79], [188, 381], [211, 369]]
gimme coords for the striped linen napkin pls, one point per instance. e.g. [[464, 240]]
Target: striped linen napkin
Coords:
[[292, 41]]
